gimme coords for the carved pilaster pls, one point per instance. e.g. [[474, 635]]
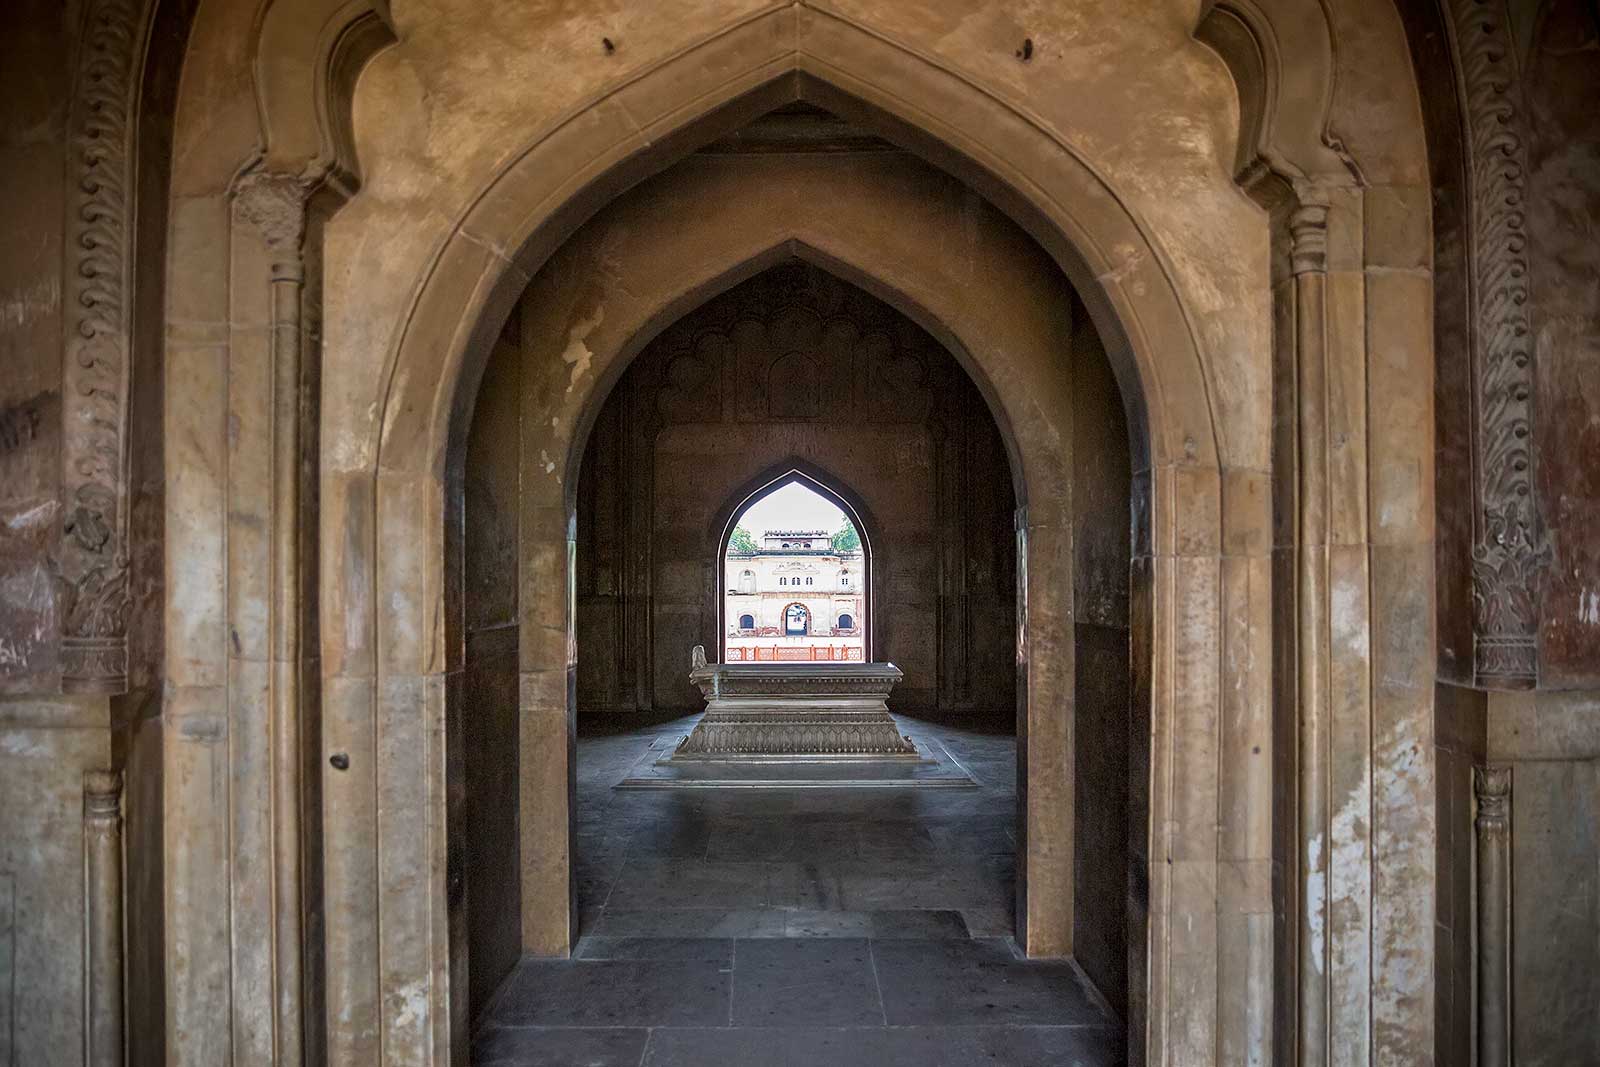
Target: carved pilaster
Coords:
[[102, 849], [275, 205], [93, 564], [1509, 546], [1308, 256], [1491, 788], [271, 208]]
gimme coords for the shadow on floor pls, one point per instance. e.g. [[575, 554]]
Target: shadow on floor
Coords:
[[816, 927]]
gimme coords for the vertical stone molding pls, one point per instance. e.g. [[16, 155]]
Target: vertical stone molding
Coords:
[[1491, 787], [95, 367], [1308, 230], [1509, 545], [102, 858], [270, 227]]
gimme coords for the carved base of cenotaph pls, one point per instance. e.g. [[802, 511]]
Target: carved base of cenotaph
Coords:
[[789, 711]]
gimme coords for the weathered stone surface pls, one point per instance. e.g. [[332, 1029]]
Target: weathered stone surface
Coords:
[[756, 710], [487, 135]]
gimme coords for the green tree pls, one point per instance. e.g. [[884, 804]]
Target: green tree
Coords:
[[846, 539], [741, 541]]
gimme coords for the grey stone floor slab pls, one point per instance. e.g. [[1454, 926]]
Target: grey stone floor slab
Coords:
[[542, 1046], [717, 950], [780, 928], [805, 982], [883, 1047], [930, 983], [657, 882], [594, 993], [689, 922]]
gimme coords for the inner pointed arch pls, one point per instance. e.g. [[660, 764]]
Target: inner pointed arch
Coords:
[[823, 565]]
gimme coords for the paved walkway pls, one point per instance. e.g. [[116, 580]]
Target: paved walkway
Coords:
[[804, 927]]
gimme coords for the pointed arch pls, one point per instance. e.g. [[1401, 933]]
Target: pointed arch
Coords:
[[796, 470]]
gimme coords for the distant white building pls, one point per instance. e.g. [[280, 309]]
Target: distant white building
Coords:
[[797, 593]]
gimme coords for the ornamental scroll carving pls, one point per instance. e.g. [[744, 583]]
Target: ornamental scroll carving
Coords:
[[94, 558], [1509, 546]]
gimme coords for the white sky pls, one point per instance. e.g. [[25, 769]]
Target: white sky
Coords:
[[794, 507]]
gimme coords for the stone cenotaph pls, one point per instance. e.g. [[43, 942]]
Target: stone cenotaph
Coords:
[[782, 712]]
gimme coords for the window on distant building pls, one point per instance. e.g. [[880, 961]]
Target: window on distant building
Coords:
[[747, 622], [808, 581], [846, 622], [844, 577], [747, 581]]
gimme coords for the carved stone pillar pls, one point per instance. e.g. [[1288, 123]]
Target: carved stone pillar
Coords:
[[1308, 227], [1509, 545], [273, 209], [97, 299], [1491, 788], [102, 859]]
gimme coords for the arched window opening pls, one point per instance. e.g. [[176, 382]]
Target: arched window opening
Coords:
[[776, 534]]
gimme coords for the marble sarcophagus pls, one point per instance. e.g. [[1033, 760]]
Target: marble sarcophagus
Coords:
[[785, 711]]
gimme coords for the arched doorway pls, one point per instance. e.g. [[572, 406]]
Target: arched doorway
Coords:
[[1127, 279], [666, 444], [1188, 282], [1058, 899], [670, 410], [830, 544]]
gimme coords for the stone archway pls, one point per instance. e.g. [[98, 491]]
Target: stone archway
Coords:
[[1176, 286], [601, 343], [830, 488], [1027, 327]]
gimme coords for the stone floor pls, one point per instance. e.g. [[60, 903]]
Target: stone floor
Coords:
[[801, 927]]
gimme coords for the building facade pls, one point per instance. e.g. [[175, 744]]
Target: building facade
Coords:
[[795, 597]]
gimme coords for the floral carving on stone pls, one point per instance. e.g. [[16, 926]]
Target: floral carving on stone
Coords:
[[93, 558], [1509, 549]]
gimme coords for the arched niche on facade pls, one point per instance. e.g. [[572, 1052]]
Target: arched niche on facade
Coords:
[[795, 471]]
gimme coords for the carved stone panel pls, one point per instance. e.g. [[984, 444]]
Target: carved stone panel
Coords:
[[1509, 548], [94, 560]]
